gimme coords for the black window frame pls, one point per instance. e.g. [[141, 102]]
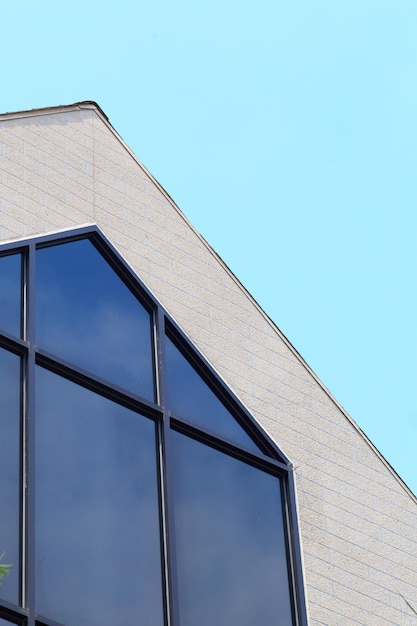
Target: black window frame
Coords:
[[270, 458]]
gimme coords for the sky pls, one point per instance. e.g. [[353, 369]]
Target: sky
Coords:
[[287, 134]]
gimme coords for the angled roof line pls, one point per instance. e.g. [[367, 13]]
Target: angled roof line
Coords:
[[265, 315], [64, 108], [91, 104]]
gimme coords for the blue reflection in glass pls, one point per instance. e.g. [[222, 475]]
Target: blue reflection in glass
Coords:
[[98, 556], [4, 623], [231, 555], [191, 398], [10, 471], [85, 314], [10, 294]]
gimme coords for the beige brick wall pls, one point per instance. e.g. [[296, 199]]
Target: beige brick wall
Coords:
[[67, 167]]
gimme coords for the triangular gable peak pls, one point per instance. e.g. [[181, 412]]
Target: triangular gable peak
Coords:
[[81, 136], [79, 170], [66, 166]]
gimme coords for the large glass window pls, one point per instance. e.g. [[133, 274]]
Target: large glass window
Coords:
[[134, 487]]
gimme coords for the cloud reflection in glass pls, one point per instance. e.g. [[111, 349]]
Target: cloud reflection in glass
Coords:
[[231, 554], [98, 558], [86, 315]]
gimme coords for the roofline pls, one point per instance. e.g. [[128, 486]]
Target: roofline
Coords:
[[92, 105], [67, 108], [274, 327]]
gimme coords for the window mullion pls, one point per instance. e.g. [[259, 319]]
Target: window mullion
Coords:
[[29, 439], [167, 510], [294, 548]]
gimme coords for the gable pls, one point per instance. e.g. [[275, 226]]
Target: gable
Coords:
[[358, 519]]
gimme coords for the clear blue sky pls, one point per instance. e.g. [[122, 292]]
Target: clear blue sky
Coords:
[[287, 133]]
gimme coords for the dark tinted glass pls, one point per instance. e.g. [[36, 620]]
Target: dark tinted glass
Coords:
[[191, 398], [231, 556], [10, 293], [98, 557], [10, 471], [86, 315]]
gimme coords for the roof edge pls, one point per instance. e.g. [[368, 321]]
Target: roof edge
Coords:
[[65, 108], [273, 325], [303, 362]]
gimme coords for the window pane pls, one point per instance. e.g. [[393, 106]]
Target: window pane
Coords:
[[86, 315], [231, 556], [191, 398], [10, 471], [98, 557], [10, 294]]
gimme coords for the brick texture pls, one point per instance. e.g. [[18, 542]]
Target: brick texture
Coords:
[[67, 167]]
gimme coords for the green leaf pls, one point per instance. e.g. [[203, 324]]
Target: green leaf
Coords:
[[4, 568]]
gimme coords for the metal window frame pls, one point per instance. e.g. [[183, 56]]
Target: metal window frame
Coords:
[[270, 458]]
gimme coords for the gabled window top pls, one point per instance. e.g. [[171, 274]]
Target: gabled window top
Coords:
[[86, 315], [135, 488], [190, 397]]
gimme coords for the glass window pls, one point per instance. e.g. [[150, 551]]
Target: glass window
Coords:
[[10, 293], [191, 398], [10, 472], [230, 541], [98, 556], [85, 314], [97, 504]]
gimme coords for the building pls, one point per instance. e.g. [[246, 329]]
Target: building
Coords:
[[167, 455]]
